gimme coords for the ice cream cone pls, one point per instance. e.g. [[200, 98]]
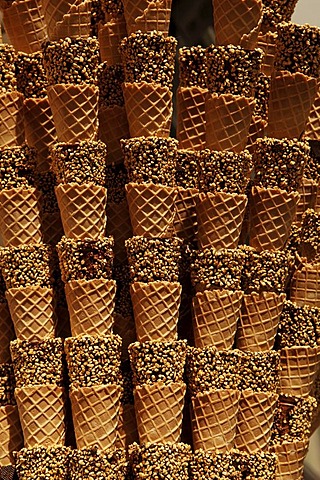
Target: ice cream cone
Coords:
[[95, 412], [91, 305], [304, 289], [237, 23], [256, 130], [255, 420], [52, 229], [54, 11], [82, 210], [228, 118], [31, 310], [127, 427], [159, 410], [215, 317], [20, 221], [191, 126], [312, 130], [272, 212], [299, 367], [185, 220], [41, 412], [11, 438], [259, 320], [110, 35], [219, 217], [6, 333], [290, 459], [25, 26], [146, 15], [39, 129], [151, 209], [156, 310], [11, 119], [308, 197], [290, 102], [267, 43], [75, 111], [113, 126], [149, 109], [119, 226], [214, 420], [74, 24]]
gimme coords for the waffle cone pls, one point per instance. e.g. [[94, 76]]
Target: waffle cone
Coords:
[[312, 130], [119, 226], [185, 220], [11, 438], [156, 310], [215, 317], [255, 420], [113, 126], [290, 459], [82, 210], [149, 109], [39, 129], [228, 118], [52, 229], [110, 35], [25, 26], [267, 43], [290, 102], [20, 221], [237, 23], [259, 320], [191, 126], [151, 209], [146, 15], [41, 412], [308, 197], [299, 366], [75, 112], [31, 310], [74, 24], [272, 213], [91, 305], [220, 216], [304, 289], [54, 11], [127, 427], [214, 420], [95, 412], [159, 410], [256, 130], [11, 119]]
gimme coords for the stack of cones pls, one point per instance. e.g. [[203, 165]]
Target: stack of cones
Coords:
[[148, 82], [294, 84], [230, 103], [158, 358], [25, 25], [36, 354], [191, 95], [67, 19]]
